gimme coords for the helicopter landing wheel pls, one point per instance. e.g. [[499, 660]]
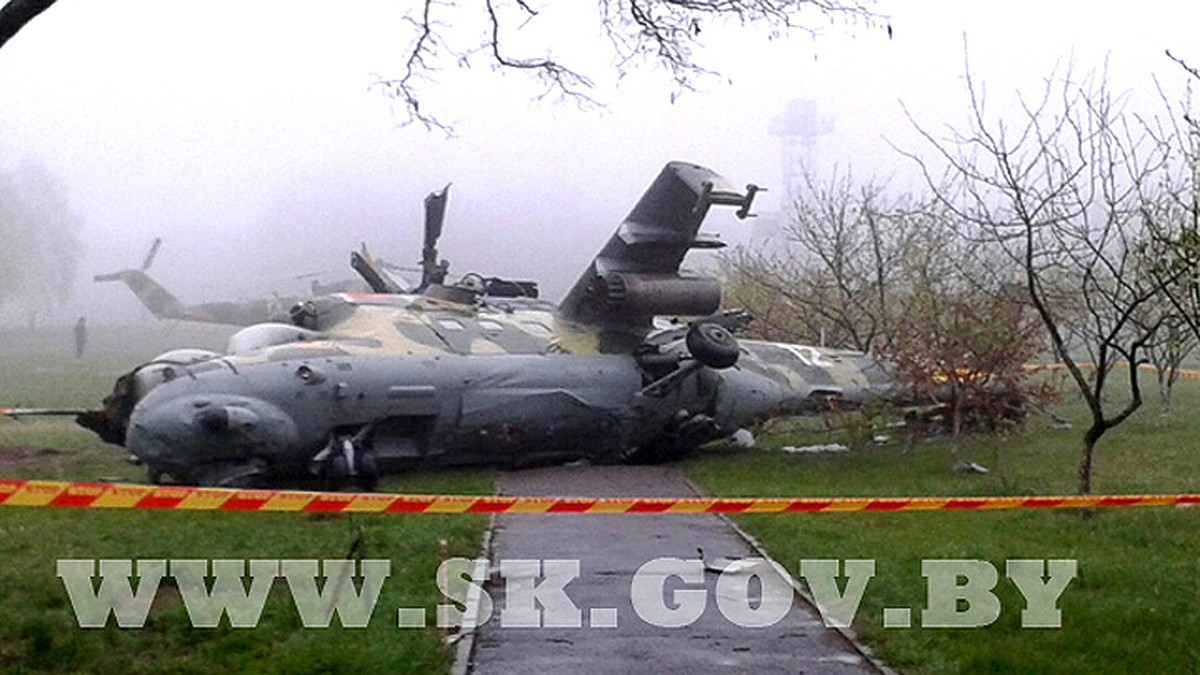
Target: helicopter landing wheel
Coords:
[[712, 345], [345, 462]]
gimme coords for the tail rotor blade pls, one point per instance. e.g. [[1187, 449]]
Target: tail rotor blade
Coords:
[[150, 255]]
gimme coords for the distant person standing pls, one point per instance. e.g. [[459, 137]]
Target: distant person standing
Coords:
[[80, 337]]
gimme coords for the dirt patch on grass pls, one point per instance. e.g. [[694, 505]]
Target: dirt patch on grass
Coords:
[[16, 456], [26, 455]]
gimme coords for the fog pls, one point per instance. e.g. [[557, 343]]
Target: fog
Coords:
[[247, 135]]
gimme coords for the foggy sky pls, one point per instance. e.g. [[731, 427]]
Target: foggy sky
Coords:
[[245, 135]]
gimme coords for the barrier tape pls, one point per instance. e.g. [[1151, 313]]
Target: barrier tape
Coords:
[[120, 496]]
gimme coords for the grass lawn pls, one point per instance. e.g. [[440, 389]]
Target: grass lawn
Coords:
[[38, 631], [1135, 604], [1132, 608]]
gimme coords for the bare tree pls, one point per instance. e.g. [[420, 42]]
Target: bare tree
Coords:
[[846, 252], [1172, 209], [890, 275], [1171, 345], [663, 34], [1195, 73], [1058, 190], [41, 251]]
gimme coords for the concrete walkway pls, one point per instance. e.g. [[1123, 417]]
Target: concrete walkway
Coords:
[[610, 549]]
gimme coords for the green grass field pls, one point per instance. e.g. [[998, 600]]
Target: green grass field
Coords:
[[1135, 605], [38, 632]]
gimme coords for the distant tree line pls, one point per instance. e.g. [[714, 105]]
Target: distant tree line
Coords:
[[41, 250]]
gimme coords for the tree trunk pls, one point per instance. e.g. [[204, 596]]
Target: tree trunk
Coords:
[[1164, 389], [1085, 468], [955, 431], [1085, 461]]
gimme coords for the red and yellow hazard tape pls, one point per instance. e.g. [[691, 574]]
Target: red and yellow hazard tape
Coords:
[[118, 496]]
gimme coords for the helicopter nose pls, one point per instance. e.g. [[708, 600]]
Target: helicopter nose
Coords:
[[180, 435]]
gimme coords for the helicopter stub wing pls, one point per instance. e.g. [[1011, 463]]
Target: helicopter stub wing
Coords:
[[636, 275], [41, 412]]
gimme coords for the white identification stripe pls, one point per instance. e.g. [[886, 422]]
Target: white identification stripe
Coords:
[[809, 355]]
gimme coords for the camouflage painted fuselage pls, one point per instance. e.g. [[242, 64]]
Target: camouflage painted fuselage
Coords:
[[506, 382]]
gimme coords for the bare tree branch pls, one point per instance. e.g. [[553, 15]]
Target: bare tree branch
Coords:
[[14, 14], [661, 34]]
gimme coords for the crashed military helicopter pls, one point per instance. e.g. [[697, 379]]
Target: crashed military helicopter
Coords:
[[482, 371], [165, 305]]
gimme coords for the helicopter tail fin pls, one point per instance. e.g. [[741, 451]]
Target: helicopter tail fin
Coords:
[[157, 299]]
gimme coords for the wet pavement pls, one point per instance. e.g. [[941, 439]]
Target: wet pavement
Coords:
[[610, 549]]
